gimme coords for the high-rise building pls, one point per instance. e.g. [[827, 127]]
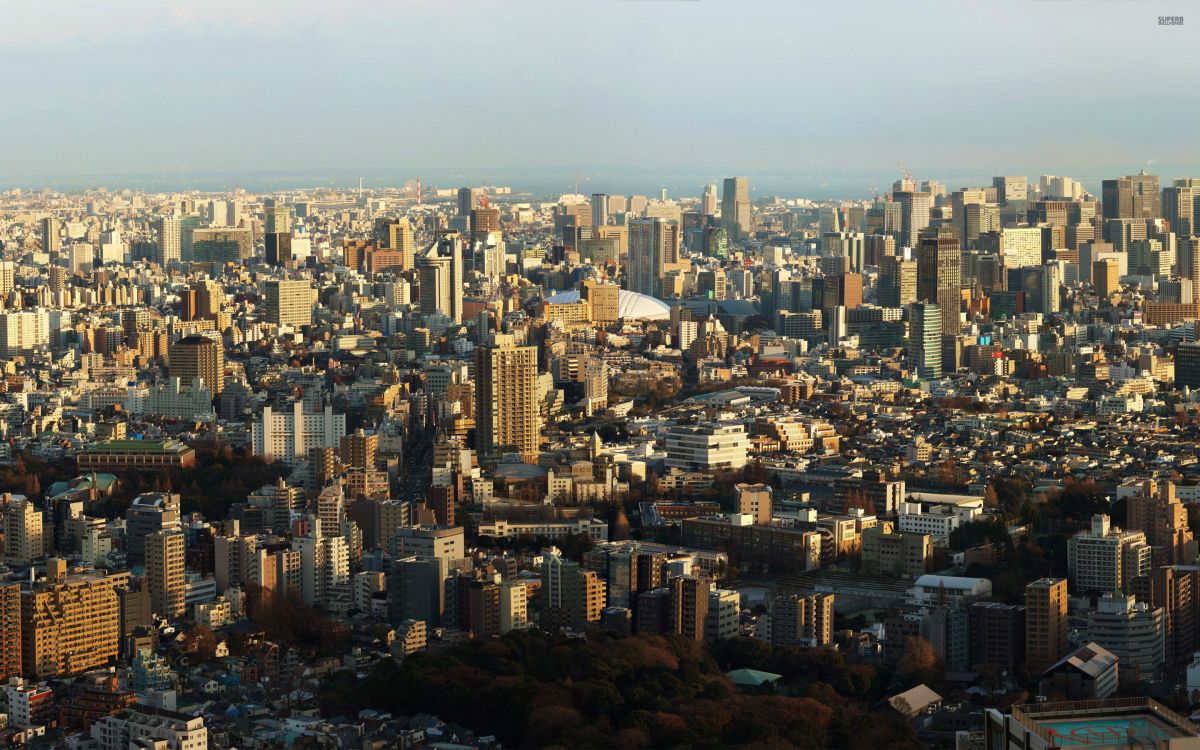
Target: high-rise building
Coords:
[[360, 449], [143, 725], [400, 238], [468, 200], [1187, 365], [689, 606], [1133, 631], [169, 237], [653, 247], [914, 215], [802, 620], [288, 434], [1158, 512], [289, 302], [925, 340], [599, 209], [10, 631], [23, 536], [164, 573], [200, 357], [51, 235], [1045, 623], [71, 623], [939, 275], [1106, 277], [441, 278], [735, 207], [1131, 197], [708, 201], [1011, 188], [1106, 559], [1178, 206], [507, 412], [897, 281], [148, 513]]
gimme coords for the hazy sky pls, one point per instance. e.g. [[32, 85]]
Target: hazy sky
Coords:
[[720, 86]]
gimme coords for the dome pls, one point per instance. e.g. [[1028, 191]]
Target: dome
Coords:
[[630, 305]]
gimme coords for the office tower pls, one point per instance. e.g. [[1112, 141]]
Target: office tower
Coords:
[[802, 620], [1132, 197], [278, 248], [22, 525], [708, 201], [1158, 512], [201, 357], [1106, 559], [653, 246], [1178, 206], [441, 278], [689, 606], [599, 209], [148, 514], [1187, 365], [977, 219], [220, 245], [164, 573], [70, 624], [1045, 623], [1010, 189], [897, 281], [51, 235], [507, 412], [914, 215], [400, 238], [468, 200], [1106, 278], [735, 207], [360, 449], [10, 631], [289, 303], [939, 270], [169, 237], [925, 340]]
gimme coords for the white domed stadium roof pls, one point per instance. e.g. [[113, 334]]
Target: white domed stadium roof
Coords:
[[630, 305]]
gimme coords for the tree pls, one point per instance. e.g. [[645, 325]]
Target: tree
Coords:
[[920, 662]]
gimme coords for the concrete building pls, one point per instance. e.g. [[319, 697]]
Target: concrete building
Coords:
[[708, 447], [1106, 559], [1045, 622], [507, 411], [1133, 631], [288, 435]]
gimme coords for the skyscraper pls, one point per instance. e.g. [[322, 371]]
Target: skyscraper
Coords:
[[507, 413], [897, 281], [914, 215], [599, 209], [1132, 197], [1178, 205], [198, 356], [939, 273], [468, 200], [1045, 623], [653, 246], [708, 201], [400, 238], [164, 573], [441, 277], [289, 302], [51, 235], [735, 207], [168, 231], [1011, 188], [925, 340]]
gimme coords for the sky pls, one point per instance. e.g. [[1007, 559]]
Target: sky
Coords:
[[832, 96]]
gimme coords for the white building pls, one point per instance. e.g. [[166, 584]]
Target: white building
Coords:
[[146, 726], [288, 435], [930, 588], [1132, 630], [595, 528], [171, 399], [1106, 559], [724, 609], [514, 606], [706, 447], [324, 568], [23, 332]]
